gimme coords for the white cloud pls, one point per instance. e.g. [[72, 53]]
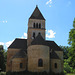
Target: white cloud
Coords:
[[6, 21], [3, 21], [8, 43], [50, 34], [49, 5], [69, 3], [1, 43], [24, 36], [49, 2]]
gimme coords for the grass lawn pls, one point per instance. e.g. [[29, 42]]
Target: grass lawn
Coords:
[[70, 74]]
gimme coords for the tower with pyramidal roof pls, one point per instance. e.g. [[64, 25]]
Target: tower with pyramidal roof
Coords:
[[36, 25], [35, 54]]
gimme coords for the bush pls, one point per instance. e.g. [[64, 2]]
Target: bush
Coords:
[[2, 73], [33, 73]]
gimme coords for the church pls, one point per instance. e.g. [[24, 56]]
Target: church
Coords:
[[35, 54]]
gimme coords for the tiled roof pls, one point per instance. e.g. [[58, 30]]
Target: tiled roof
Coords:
[[37, 14], [19, 44], [53, 46], [38, 40], [53, 55]]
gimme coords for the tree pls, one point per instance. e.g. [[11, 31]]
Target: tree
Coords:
[[3, 56], [67, 68], [71, 42], [65, 51]]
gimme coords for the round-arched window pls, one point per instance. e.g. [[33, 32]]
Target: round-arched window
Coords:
[[34, 25], [55, 65], [39, 25], [40, 63]]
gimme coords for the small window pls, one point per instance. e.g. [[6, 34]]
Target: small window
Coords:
[[40, 63], [55, 65], [34, 25], [21, 65], [39, 25], [34, 35]]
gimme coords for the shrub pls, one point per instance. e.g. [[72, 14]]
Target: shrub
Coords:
[[2, 73], [33, 73]]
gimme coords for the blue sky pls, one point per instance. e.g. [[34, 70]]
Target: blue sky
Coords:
[[14, 14]]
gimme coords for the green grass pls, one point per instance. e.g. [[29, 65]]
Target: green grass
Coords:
[[70, 74], [2, 73]]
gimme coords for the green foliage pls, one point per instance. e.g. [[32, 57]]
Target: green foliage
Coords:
[[67, 68], [69, 52], [3, 56], [72, 46], [65, 51], [70, 74], [2, 73]]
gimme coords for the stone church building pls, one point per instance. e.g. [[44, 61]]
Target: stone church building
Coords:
[[35, 54]]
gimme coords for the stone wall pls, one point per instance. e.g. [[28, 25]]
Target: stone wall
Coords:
[[32, 21], [58, 69], [10, 53], [16, 64], [60, 54], [36, 52], [36, 30]]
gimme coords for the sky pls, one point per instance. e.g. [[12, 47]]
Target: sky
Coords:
[[14, 15]]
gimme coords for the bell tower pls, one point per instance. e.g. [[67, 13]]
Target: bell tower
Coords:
[[36, 25]]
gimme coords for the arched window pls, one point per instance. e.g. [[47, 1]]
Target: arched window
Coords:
[[34, 25], [21, 65], [55, 65], [39, 25], [40, 63], [34, 35]]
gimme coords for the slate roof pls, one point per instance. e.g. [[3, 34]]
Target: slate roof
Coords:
[[38, 40], [20, 54], [19, 44], [37, 14], [53, 55], [53, 46]]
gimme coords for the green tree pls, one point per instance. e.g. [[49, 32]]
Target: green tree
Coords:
[[72, 46], [67, 68], [3, 55], [65, 51]]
